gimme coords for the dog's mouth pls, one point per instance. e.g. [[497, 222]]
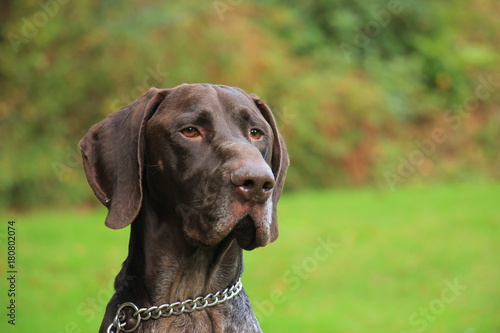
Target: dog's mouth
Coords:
[[249, 225], [251, 232], [245, 233]]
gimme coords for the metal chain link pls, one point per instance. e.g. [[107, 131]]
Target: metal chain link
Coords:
[[173, 309]]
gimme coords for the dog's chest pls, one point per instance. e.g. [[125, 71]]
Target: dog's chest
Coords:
[[208, 321]]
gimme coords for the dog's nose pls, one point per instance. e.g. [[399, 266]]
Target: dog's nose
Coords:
[[253, 182]]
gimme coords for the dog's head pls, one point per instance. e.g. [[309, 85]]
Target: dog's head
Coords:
[[210, 154]]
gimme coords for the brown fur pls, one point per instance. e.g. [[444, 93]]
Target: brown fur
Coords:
[[193, 202]]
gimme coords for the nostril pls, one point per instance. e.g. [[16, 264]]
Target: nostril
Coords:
[[248, 184], [268, 186]]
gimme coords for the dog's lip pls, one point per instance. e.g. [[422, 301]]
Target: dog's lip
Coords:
[[245, 233]]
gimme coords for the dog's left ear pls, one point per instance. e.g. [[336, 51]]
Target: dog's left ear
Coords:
[[113, 157], [279, 161]]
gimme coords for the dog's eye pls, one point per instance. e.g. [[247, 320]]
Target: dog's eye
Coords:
[[255, 134], [190, 132]]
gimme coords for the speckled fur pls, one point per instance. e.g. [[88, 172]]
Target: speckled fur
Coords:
[[190, 219]]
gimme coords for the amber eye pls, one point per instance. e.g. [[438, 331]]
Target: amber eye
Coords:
[[255, 134], [190, 132]]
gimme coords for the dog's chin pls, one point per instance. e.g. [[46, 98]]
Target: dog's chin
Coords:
[[248, 224], [248, 235], [244, 232]]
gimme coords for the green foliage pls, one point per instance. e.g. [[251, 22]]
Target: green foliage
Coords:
[[353, 83]]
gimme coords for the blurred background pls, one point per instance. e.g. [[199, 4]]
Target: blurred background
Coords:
[[390, 111]]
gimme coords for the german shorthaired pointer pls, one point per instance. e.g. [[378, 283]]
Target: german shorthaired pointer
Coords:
[[197, 170]]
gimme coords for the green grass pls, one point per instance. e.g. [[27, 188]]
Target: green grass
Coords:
[[390, 258]]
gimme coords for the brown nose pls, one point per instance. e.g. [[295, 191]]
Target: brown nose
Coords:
[[253, 182]]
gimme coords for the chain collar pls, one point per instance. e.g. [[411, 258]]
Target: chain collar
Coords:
[[174, 309]]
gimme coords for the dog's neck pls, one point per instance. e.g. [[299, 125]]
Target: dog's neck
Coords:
[[163, 267]]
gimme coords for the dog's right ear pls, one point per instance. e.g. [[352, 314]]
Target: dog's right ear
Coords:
[[113, 158]]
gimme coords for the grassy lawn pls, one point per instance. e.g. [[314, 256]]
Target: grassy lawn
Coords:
[[413, 260]]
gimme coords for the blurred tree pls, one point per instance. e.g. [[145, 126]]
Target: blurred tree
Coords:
[[353, 84]]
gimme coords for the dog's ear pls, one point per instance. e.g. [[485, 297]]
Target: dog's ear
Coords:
[[279, 161], [113, 157]]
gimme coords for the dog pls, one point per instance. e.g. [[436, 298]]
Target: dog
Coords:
[[197, 171]]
